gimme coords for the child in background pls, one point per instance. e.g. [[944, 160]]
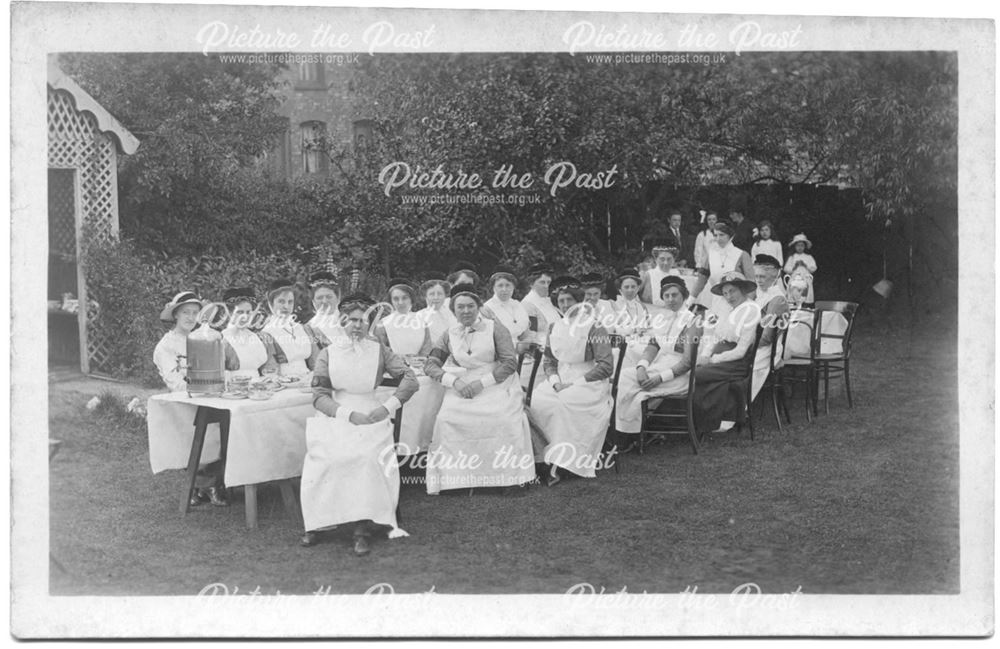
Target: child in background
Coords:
[[765, 243], [801, 262]]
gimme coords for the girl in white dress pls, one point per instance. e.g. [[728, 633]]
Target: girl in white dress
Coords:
[[801, 263], [570, 411], [245, 352], [287, 340], [405, 333], [481, 436], [350, 474], [766, 244], [324, 326]]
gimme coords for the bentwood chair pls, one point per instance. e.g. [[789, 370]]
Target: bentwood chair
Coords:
[[397, 423], [672, 414], [535, 351], [797, 369], [775, 381], [746, 385], [835, 363]]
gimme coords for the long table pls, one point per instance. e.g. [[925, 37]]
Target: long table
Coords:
[[259, 441]]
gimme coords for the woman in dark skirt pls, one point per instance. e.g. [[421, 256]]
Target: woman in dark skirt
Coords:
[[721, 363]]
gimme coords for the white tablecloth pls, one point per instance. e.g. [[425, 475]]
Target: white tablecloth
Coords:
[[800, 333], [267, 439]]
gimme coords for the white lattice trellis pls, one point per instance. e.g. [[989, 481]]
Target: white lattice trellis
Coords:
[[77, 142]]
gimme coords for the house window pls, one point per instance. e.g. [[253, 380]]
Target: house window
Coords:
[[313, 143], [311, 76]]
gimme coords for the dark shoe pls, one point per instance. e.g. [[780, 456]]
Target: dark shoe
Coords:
[[362, 545], [309, 539], [198, 497], [217, 496]]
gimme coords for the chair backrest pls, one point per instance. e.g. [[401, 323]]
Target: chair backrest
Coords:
[[621, 342], [750, 356], [779, 341], [536, 355], [848, 310], [397, 417]]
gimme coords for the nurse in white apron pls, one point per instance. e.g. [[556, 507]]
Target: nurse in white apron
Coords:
[[722, 258], [245, 353], [571, 410], [632, 318], [593, 292], [324, 326], [481, 436], [503, 308], [436, 315], [665, 362], [665, 257], [350, 473], [287, 340], [405, 333], [536, 301]]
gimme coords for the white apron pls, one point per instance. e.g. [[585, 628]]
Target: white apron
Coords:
[[484, 441], [421, 410], [350, 472], [628, 413], [249, 349], [573, 422], [511, 315]]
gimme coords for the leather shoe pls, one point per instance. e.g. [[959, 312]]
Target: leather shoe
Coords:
[[309, 539], [362, 546], [197, 498], [217, 496]]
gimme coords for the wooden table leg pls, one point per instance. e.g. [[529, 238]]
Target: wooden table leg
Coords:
[[288, 495], [250, 500], [200, 426]]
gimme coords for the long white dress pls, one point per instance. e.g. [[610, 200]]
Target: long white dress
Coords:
[[628, 412], [484, 441], [350, 472], [720, 262], [406, 335], [250, 350], [294, 342], [574, 421]]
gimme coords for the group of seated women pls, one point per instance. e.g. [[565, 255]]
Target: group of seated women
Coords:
[[455, 366]]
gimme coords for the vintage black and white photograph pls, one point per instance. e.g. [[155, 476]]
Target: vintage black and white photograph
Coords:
[[351, 315]]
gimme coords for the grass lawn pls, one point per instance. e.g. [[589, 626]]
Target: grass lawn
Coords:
[[859, 501]]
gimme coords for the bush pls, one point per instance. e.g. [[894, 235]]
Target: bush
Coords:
[[131, 287]]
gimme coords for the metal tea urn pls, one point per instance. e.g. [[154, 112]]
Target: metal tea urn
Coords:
[[205, 362]]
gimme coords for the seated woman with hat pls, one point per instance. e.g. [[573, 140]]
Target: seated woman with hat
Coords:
[[801, 264], [666, 360], [405, 333], [506, 310], [324, 326], [721, 363], [170, 358], [287, 340], [436, 315], [481, 436], [246, 354], [350, 475], [570, 411]]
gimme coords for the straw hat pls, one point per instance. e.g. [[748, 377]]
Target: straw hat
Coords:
[[800, 237], [736, 279], [182, 298]]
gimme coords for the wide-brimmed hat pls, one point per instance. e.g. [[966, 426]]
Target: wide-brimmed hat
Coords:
[[766, 260], [179, 300], [800, 237], [736, 279]]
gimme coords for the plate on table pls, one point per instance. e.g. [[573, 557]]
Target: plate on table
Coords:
[[234, 395]]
